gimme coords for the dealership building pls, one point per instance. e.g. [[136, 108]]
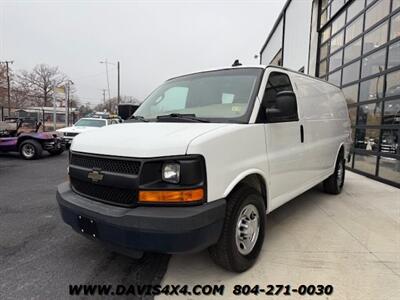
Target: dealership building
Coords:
[[354, 44]]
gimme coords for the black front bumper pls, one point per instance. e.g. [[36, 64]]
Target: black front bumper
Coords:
[[146, 228]]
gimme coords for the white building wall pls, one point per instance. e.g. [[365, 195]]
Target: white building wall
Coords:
[[297, 35], [274, 45]]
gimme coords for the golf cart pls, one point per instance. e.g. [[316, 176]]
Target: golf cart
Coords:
[[23, 136]]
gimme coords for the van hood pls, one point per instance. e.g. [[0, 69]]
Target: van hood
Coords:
[[142, 139]]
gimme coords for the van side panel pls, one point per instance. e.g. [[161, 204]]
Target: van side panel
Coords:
[[324, 115], [231, 153]]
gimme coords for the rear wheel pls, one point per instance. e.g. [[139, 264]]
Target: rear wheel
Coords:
[[30, 149], [243, 233], [334, 183]]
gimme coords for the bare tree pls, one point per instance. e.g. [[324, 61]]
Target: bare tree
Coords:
[[20, 95], [3, 85], [41, 81]]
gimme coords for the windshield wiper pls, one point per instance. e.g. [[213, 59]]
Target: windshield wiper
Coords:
[[137, 118], [175, 117]]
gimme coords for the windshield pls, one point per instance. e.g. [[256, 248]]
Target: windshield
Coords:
[[91, 123], [221, 96]]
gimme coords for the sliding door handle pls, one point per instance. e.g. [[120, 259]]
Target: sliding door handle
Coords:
[[302, 133]]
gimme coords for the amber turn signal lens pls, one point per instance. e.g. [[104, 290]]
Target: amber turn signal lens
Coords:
[[175, 196]]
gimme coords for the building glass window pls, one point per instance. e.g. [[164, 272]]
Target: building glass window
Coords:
[[391, 112], [322, 68], [324, 50], [335, 60], [354, 9], [352, 51], [326, 34], [371, 89], [370, 114], [335, 6], [395, 26], [390, 142], [389, 168], [351, 72], [351, 93], [376, 13], [337, 42], [393, 84], [355, 46], [338, 23], [354, 29], [395, 5], [335, 77], [353, 115], [367, 139], [375, 38], [394, 55], [373, 63], [324, 17], [365, 163]]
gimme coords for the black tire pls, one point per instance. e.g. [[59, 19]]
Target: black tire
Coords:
[[35, 149], [56, 152], [226, 252], [334, 183]]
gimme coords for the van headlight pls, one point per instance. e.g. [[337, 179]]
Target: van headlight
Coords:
[[171, 172]]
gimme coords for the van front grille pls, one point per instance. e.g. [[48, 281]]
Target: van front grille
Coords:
[[112, 195], [115, 165], [71, 133]]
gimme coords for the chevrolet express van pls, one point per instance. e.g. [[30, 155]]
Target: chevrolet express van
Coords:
[[203, 161]]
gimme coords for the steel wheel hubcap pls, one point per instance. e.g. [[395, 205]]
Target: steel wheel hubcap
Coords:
[[247, 229], [28, 150]]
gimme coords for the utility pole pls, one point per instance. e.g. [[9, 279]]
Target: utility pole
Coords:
[[108, 79], [104, 97], [106, 62], [8, 83], [67, 106], [119, 86]]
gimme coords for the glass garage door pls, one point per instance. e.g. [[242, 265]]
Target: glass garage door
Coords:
[[359, 50]]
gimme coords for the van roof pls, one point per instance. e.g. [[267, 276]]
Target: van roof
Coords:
[[256, 67]]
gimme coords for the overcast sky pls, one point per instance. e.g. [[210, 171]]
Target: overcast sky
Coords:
[[153, 40]]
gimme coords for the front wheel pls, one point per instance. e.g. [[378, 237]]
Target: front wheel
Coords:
[[30, 149], [334, 183], [243, 233]]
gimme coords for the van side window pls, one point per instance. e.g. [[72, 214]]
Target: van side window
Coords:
[[279, 102]]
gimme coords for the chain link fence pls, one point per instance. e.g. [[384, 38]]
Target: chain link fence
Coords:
[[45, 115]]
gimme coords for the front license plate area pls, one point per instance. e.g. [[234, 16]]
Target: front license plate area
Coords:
[[87, 226]]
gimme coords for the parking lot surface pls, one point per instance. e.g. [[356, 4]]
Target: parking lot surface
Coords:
[[40, 255], [350, 241]]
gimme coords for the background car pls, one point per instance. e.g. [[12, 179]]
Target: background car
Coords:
[[83, 125]]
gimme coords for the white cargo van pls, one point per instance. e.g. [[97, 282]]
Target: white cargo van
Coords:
[[203, 161]]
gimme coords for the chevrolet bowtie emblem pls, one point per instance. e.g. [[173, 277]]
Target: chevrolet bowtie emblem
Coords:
[[95, 176]]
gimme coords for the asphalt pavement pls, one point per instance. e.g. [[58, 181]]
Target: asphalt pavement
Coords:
[[40, 256], [350, 241]]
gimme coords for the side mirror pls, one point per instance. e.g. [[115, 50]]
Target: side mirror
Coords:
[[285, 108]]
